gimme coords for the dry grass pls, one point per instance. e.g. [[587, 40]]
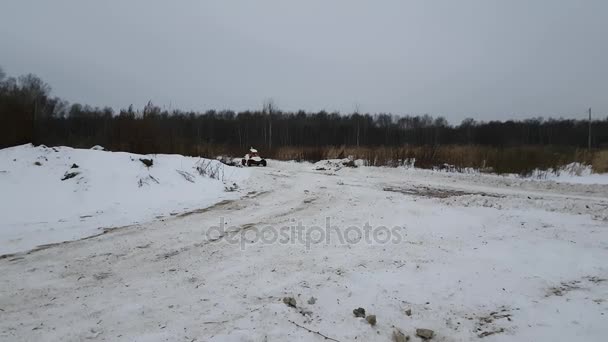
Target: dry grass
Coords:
[[600, 161], [520, 159]]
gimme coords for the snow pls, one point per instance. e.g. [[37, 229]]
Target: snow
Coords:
[[332, 165], [587, 178], [110, 190], [510, 258], [575, 173]]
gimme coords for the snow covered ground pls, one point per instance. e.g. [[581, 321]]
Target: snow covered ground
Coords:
[[572, 173], [469, 256], [108, 190]]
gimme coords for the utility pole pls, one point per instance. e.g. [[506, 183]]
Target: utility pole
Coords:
[[268, 108], [34, 117], [358, 122], [589, 142]]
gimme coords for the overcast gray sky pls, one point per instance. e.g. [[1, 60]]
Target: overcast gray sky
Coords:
[[485, 59]]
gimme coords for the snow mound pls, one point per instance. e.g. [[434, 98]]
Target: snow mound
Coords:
[[572, 173], [574, 206], [337, 164], [60, 193], [98, 148]]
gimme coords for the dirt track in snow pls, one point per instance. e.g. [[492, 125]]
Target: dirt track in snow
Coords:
[[480, 258]]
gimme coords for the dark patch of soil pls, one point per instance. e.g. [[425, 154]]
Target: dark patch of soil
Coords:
[[489, 324], [424, 191], [563, 288]]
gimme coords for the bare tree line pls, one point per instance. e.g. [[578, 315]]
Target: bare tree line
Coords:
[[28, 113]]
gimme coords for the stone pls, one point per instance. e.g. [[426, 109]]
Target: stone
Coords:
[[399, 336], [359, 312], [290, 301], [426, 334]]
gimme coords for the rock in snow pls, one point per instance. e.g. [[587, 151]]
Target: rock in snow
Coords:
[[359, 312], [399, 336], [290, 301], [426, 334]]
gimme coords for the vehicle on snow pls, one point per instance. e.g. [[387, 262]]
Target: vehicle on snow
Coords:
[[253, 158]]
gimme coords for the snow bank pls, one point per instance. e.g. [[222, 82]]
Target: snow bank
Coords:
[[100, 189], [589, 179], [337, 164], [572, 173]]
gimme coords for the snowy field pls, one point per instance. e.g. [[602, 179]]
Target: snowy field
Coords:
[[470, 257]]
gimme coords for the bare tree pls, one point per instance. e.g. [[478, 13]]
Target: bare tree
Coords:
[[150, 109], [33, 86]]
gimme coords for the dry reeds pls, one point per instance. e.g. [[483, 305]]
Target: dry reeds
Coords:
[[518, 159]]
